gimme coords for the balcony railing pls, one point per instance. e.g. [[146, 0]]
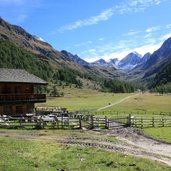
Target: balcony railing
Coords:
[[12, 98]]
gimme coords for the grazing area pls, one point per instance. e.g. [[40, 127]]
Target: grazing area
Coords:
[[92, 100], [71, 150], [140, 105], [162, 133], [85, 99]]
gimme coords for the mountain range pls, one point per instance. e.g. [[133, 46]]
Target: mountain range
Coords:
[[45, 51], [127, 63], [133, 67]]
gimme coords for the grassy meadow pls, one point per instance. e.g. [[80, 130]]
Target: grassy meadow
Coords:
[[45, 154], [145, 104], [79, 99], [84, 99]]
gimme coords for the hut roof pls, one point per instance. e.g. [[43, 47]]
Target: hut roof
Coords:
[[19, 76]]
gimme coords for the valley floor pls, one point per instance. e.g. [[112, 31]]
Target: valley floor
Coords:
[[127, 142]]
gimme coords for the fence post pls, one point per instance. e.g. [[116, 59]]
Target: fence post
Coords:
[[153, 121], [162, 122], [91, 122], [80, 123], [20, 120], [129, 120], [141, 123], [53, 124], [106, 123], [62, 119]]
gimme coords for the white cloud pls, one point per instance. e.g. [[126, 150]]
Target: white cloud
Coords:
[[83, 43], [128, 7], [121, 54], [136, 5], [131, 33], [153, 29], [168, 26], [101, 39], [148, 48], [148, 35], [165, 36], [103, 16], [151, 40]]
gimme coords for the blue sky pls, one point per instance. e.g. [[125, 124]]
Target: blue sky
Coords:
[[94, 29]]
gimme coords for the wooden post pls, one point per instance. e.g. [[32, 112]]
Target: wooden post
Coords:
[[153, 122], [80, 123], [162, 122], [106, 123], [141, 123], [68, 122], [53, 124], [57, 123], [129, 120], [92, 122], [20, 121], [62, 119]]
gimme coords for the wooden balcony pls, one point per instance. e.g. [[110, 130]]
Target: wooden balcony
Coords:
[[18, 98]]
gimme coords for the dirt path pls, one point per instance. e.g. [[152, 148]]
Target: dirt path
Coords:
[[129, 143], [156, 150], [113, 104]]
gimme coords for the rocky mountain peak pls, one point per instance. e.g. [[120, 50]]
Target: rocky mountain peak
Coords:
[[99, 62], [130, 61]]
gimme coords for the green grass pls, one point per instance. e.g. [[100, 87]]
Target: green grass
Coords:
[[162, 133], [46, 155], [145, 103], [85, 99], [89, 99], [60, 132]]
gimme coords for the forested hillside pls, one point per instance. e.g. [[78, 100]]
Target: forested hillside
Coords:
[[12, 56], [118, 86], [162, 81]]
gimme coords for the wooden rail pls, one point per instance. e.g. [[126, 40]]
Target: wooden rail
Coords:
[[78, 121], [149, 122], [61, 121], [92, 112]]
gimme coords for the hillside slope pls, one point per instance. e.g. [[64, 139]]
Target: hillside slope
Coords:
[[45, 51], [19, 49], [146, 72]]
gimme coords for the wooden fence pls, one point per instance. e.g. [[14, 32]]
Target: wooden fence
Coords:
[[149, 122], [62, 121], [78, 121], [91, 112]]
